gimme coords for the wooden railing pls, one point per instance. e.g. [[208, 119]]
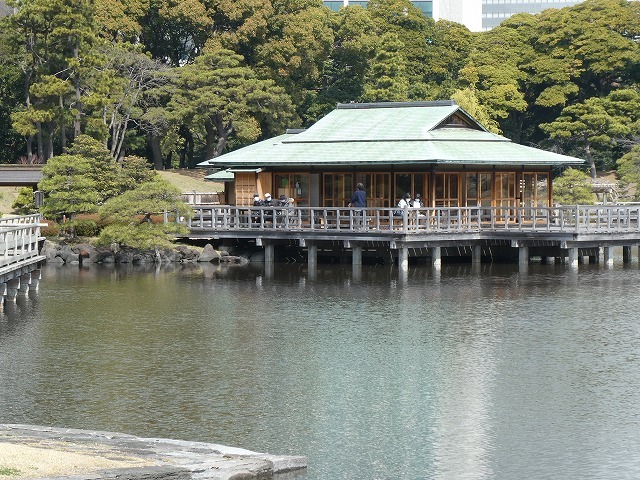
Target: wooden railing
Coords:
[[203, 198], [18, 241], [575, 219]]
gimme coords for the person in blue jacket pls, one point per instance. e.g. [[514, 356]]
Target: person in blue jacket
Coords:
[[359, 197], [358, 200]]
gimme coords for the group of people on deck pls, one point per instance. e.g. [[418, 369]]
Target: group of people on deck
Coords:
[[283, 201], [406, 202], [279, 206]]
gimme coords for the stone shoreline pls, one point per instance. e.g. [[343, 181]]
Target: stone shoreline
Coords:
[[30, 452], [85, 253]]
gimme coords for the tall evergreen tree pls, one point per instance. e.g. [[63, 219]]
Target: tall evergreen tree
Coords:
[[220, 95]]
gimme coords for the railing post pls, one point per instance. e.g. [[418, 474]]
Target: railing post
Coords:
[[577, 218], [405, 219]]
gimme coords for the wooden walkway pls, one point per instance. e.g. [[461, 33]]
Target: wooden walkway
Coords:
[[570, 232], [19, 256]]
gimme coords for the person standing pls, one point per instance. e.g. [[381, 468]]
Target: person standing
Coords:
[[359, 201], [359, 197]]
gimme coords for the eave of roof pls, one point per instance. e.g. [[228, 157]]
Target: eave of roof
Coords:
[[392, 152]]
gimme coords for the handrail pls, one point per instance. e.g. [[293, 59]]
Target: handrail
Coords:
[[19, 238], [558, 219], [20, 220]]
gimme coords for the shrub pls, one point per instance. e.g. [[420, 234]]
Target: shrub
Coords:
[[51, 230], [84, 228], [573, 187], [144, 237], [24, 203]]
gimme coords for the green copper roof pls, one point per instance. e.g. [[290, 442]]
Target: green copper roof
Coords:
[[388, 134]]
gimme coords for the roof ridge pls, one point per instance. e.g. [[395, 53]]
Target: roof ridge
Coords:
[[427, 103]]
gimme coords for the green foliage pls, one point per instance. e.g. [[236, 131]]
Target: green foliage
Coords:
[[51, 41], [144, 237], [84, 228], [175, 31], [9, 471], [469, 102], [152, 197], [448, 46], [629, 169], [219, 96], [598, 122], [573, 187], [134, 171], [186, 80], [387, 80], [24, 203], [79, 181], [87, 177], [295, 47]]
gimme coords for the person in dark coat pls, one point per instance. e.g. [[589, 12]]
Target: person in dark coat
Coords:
[[257, 202], [359, 197], [268, 202], [358, 200]]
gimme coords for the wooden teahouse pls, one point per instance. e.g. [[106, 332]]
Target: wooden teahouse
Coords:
[[435, 149]]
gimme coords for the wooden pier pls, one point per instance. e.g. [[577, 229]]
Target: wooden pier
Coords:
[[20, 258], [565, 234]]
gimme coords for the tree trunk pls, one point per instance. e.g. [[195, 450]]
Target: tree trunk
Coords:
[[186, 155], [30, 149], [215, 148], [156, 151], [77, 122], [29, 139], [592, 163], [50, 144], [210, 139], [63, 128], [39, 141]]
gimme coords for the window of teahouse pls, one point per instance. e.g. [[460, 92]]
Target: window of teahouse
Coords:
[[478, 189], [447, 190], [377, 186], [413, 183], [506, 193], [293, 185], [534, 189], [337, 189]]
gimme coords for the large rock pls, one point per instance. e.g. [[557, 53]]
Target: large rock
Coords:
[[209, 254], [50, 250], [98, 455], [187, 254], [66, 253], [87, 253], [234, 259]]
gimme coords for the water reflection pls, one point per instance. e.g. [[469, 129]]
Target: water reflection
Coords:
[[469, 371]]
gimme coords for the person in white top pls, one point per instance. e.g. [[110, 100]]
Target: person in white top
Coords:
[[405, 201]]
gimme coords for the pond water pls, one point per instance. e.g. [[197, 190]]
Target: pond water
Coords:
[[466, 373]]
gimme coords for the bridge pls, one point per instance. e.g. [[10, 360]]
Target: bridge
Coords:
[[565, 234], [20, 258]]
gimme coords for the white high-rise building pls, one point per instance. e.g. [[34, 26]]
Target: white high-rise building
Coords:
[[466, 12], [476, 15], [495, 11]]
